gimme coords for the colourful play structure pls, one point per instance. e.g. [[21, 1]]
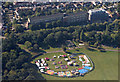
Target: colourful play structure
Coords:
[[87, 65]]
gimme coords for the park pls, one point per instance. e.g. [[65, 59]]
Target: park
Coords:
[[105, 65]]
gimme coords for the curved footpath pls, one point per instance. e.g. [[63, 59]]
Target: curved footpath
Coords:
[[80, 47]]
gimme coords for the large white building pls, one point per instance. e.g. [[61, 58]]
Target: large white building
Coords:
[[98, 15]]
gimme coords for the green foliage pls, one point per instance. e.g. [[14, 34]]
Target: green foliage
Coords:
[[82, 35], [64, 48], [16, 63], [28, 44], [18, 28], [48, 25], [96, 44], [118, 8]]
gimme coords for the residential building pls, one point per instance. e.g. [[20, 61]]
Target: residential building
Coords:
[[76, 17], [98, 15], [38, 19], [68, 18]]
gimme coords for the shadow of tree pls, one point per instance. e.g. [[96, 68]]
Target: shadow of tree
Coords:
[[91, 49]]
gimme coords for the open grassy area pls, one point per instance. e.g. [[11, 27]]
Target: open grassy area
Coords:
[[106, 65]]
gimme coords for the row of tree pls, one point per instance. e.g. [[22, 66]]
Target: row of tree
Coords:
[[103, 33]]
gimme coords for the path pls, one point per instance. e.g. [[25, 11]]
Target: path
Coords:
[[80, 47], [62, 50]]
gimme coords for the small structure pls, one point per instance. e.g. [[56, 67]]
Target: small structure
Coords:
[[75, 64], [38, 64], [41, 70], [89, 68], [71, 57], [58, 56], [57, 67], [50, 72], [80, 68], [62, 74], [54, 56], [55, 73], [60, 62], [73, 71], [66, 59], [41, 64], [76, 73], [68, 74], [86, 64], [39, 60], [54, 63], [64, 56], [73, 61], [47, 59], [83, 71], [45, 64], [68, 54], [47, 68], [69, 63], [51, 59], [64, 67]]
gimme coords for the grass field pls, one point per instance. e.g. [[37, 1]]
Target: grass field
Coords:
[[106, 65]]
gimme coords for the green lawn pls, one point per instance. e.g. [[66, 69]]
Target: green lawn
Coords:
[[52, 49], [106, 65]]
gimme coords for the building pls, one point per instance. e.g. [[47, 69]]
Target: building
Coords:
[[44, 19], [96, 15], [76, 17], [68, 18]]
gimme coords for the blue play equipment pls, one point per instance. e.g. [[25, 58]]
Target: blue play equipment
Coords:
[[82, 71], [86, 67]]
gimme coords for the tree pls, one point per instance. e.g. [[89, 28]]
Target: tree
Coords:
[[50, 40], [59, 37], [34, 27], [64, 48], [18, 28], [28, 44], [118, 8], [35, 47], [107, 30], [82, 35], [59, 23], [48, 25], [54, 24], [15, 21], [7, 4], [96, 44], [9, 43], [98, 37]]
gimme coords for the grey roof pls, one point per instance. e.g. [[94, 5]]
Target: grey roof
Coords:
[[77, 13], [46, 17]]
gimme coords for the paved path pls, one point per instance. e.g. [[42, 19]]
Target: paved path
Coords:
[[79, 47]]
